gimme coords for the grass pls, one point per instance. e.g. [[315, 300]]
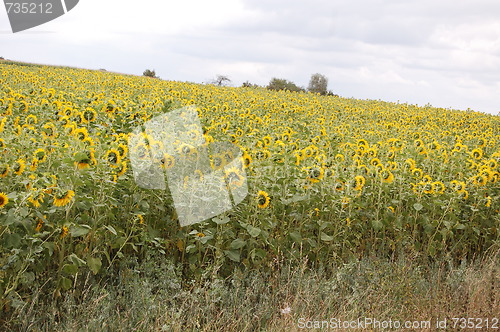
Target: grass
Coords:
[[151, 296]]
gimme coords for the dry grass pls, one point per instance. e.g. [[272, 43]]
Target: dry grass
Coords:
[[149, 297]]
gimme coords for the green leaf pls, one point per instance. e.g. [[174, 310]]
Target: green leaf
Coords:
[[221, 221], [12, 240], [111, 229], [296, 237], [253, 231], [325, 237], [65, 283], [11, 217], [70, 269], [80, 230], [238, 244], [233, 255], [79, 156], [73, 258], [377, 225], [418, 206], [50, 247], [94, 264]]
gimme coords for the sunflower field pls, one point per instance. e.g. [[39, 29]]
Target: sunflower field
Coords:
[[329, 178]]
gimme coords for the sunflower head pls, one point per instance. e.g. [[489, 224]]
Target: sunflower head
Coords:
[[4, 200], [263, 199]]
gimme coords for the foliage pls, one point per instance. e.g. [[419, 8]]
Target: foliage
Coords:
[[150, 295], [330, 179], [277, 84], [150, 73], [318, 84], [247, 84]]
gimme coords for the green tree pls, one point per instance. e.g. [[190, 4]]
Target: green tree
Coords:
[[150, 73], [318, 84], [247, 84], [282, 84]]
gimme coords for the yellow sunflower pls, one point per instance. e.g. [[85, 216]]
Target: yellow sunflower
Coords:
[[3, 200], [386, 176], [123, 168], [359, 182], [36, 198], [167, 161], [263, 199], [19, 167], [64, 198], [113, 158], [247, 160], [234, 177], [4, 170], [40, 155]]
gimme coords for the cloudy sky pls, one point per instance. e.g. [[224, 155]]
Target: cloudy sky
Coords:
[[442, 52]]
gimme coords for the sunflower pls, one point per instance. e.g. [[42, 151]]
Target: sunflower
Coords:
[[298, 157], [167, 161], [217, 162], [122, 149], [477, 153], [459, 186], [428, 188], [64, 198], [315, 174], [40, 155], [123, 168], [198, 175], [410, 163], [113, 158], [19, 167], [439, 187], [488, 201], [246, 159], [81, 134], [36, 198], [359, 182], [64, 231], [3, 200], [427, 178], [339, 157], [39, 225], [386, 176], [234, 177], [479, 180], [4, 170], [417, 172], [48, 130], [263, 199], [89, 115], [464, 194]]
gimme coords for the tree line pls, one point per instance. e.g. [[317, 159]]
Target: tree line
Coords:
[[317, 84]]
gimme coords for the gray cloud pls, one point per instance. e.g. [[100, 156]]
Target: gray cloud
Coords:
[[446, 52]]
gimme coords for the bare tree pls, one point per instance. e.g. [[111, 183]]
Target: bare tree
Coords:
[[318, 84], [221, 80]]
